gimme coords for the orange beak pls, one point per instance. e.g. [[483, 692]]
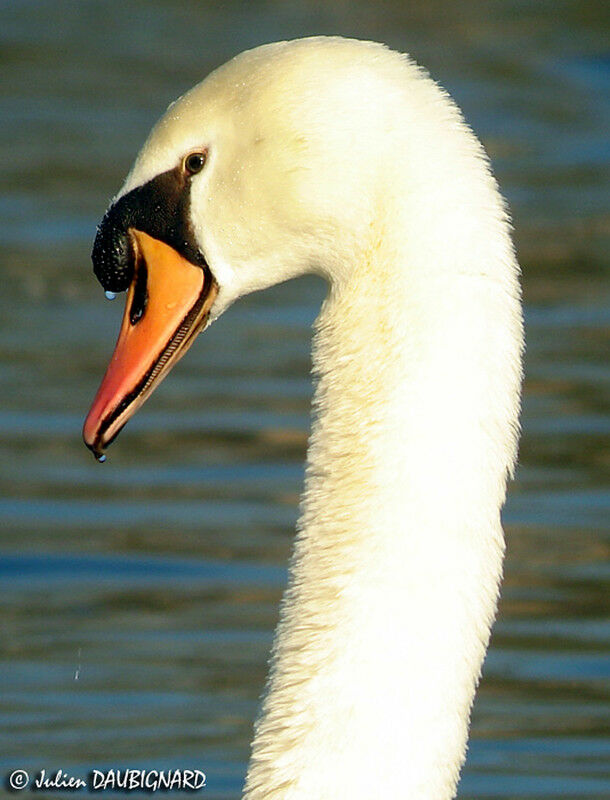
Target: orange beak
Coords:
[[168, 304]]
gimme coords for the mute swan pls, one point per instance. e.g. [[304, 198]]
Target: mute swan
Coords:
[[344, 158]]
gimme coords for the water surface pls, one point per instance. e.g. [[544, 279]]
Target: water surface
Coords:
[[155, 579]]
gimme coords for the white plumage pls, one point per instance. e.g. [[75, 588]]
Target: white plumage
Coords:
[[344, 158]]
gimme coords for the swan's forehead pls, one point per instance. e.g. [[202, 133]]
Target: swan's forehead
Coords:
[[233, 107], [186, 126], [287, 97]]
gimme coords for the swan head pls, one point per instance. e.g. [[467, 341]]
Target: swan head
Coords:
[[262, 172], [273, 166]]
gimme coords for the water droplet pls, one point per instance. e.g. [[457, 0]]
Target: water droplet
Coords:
[[101, 459], [110, 295], [78, 668]]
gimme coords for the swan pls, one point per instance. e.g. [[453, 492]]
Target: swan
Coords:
[[343, 158]]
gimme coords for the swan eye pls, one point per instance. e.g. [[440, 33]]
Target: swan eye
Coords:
[[193, 163]]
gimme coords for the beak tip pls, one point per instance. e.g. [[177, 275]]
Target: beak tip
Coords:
[[94, 444]]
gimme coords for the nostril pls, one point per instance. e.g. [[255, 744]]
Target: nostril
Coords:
[[140, 291]]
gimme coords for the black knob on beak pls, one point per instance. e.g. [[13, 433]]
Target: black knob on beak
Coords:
[[112, 255]]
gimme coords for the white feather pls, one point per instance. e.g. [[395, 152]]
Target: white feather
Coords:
[[345, 158]]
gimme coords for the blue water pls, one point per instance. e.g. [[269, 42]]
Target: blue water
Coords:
[[139, 597]]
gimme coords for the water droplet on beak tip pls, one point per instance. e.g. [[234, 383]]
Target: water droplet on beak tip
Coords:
[[110, 295], [101, 459]]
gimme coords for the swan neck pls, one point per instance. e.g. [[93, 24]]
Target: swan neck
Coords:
[[398, 557]]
